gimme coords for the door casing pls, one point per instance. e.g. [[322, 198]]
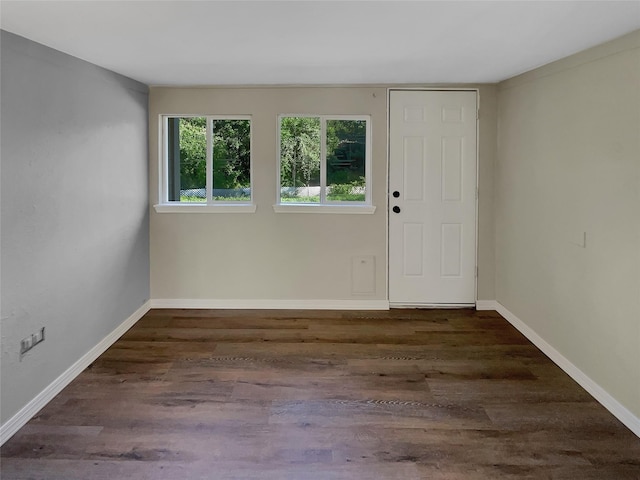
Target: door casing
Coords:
[[393, 304]]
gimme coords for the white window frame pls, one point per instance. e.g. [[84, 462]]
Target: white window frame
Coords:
[[325, 206], [211, 205]]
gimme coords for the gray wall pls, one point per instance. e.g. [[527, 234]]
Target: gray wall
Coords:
[[284, 256], [74, 197], [568, 163]]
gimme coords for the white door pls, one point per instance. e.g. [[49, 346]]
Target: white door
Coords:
[[432, 197]]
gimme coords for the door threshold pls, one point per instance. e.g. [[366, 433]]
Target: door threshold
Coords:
[[431, 305]]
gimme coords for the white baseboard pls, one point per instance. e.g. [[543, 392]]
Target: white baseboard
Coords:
[[266, 304], [600, 394], [487, 305], [15, 423]]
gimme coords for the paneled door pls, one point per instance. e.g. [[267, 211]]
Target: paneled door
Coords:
[[432, 197]]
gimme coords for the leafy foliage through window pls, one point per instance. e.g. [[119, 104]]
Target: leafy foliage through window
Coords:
[[324, 159], [208, 159]]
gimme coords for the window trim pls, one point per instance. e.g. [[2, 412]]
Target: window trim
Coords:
[[343, 208], [210, 205], [325, 206], [221, 207]]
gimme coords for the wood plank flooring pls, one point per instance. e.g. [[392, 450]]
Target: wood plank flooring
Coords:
[[404, 394]]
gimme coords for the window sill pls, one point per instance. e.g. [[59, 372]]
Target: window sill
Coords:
[[317, 208], [195, 208]]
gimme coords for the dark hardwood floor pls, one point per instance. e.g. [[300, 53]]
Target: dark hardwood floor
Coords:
[[405, 394]]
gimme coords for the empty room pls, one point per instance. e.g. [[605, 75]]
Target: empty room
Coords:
[[320, 240]]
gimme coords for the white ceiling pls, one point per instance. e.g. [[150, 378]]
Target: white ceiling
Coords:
[[319, 42]]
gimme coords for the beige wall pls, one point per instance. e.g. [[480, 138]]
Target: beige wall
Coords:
[[569, 162], [486, 165], [286, 256]]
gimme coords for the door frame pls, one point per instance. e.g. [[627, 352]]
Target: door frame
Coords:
[[477, 186]]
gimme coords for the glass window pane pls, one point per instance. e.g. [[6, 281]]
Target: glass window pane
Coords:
[[187, 159], [300, 159], [346, 154], [231, 160]]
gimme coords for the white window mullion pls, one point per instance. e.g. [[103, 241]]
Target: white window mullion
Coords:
[[367, 163], [164, 160], [279, 156], [209, 172], [323, 160]]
